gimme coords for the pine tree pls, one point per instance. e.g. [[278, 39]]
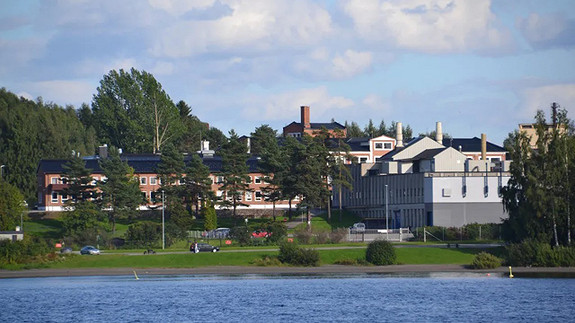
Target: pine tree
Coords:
[[235, 171], [272, 164], [79, 181], [169, 170], [120, 189], [197, 183], [210, 217]]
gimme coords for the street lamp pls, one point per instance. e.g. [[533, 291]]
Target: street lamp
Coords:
[[163, 231], [386, 220], [2, 171]]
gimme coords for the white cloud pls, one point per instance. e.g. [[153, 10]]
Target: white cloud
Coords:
[[351, 63], [252, 27], [434, 26], [180, 7], [541, 98], [286, 106], [551, 30]]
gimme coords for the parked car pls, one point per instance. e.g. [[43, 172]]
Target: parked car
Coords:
[[89, 250], [357, 228], [66, 250], [260, 234], [204, 247]]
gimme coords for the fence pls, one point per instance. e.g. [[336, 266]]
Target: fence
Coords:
[[368, 235]]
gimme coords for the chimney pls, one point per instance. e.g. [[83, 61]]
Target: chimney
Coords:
[[249, 143], [205, 145], [305, 117], [483, 146], [205, 149], [438, 132], [399, 134], [103, 151]]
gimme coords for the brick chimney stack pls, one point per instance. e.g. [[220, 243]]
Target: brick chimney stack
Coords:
[[305, 117]]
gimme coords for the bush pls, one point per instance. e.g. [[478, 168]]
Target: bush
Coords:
[[484, 260], [303, 236], [292, 254], [321, 237], [143, 234], [241, 234], [539, 254], [23, 251], [338, 235], [381, 253], [278, 232], [266, 260]]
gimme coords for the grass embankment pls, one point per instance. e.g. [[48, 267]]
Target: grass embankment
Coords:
[[249, 258]]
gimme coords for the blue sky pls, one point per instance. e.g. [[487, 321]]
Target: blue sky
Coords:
[[477, 66]]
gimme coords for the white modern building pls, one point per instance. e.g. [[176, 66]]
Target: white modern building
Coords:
[[426, 183]]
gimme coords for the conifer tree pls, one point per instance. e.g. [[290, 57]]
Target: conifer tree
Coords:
[[235, 172]]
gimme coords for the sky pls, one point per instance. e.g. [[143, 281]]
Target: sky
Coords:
[[478, 66]]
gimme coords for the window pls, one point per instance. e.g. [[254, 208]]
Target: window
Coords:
[[145, 196], [258, 195], [379, 145], [219, 193], [55, 180], [387, 145], [54, 197], [248, 196], [363, 160], [257, 180], [95, 180], [153, 180], [143, 181], [64, 198]]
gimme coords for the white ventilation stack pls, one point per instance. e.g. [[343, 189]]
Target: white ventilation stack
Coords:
[[399, 134], [438, 132]]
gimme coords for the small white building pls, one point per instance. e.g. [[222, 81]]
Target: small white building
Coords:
[[15, 235]]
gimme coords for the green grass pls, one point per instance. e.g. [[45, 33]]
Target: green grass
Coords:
[[407, 256], [321, 223], [48, 228]]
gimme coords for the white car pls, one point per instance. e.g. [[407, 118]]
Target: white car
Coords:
[[357, 227]]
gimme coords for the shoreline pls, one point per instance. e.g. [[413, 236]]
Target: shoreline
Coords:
[[456, 270]]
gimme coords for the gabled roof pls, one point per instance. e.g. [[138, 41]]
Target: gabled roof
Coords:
[[397, 150], [471, 145], [358, 144]]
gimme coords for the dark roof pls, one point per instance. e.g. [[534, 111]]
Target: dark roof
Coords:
[[141, 164], [428, 154], [470, 144], [328, 126], [358, 144]]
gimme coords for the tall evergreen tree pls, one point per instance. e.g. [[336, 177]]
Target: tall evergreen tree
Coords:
[[170, 170], [121, 193], [272, 164], [235, 171], [197, 183], [261, 138], [79, 181]]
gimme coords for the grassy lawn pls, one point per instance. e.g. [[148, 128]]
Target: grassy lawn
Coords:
[[48, 228], [405, 256], [321, 223]]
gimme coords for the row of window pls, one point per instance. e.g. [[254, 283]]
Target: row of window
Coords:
[[383, 146], [155, 180]]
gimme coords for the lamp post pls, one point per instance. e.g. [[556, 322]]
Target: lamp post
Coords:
[[2, 171], [386, 219], [163, 231]]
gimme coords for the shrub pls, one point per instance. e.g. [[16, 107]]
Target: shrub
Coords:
[[381, 253], [338, 235], [278, 232], [23, 251], [303, 236], [484, 260], [292, 254], [143, 234], [321, 237], [539, 254], [241, 234], [267, 261]]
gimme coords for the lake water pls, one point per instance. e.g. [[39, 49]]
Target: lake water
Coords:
[[258, 298]]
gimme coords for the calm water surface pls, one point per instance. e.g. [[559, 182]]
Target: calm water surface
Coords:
[[256, 298]]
